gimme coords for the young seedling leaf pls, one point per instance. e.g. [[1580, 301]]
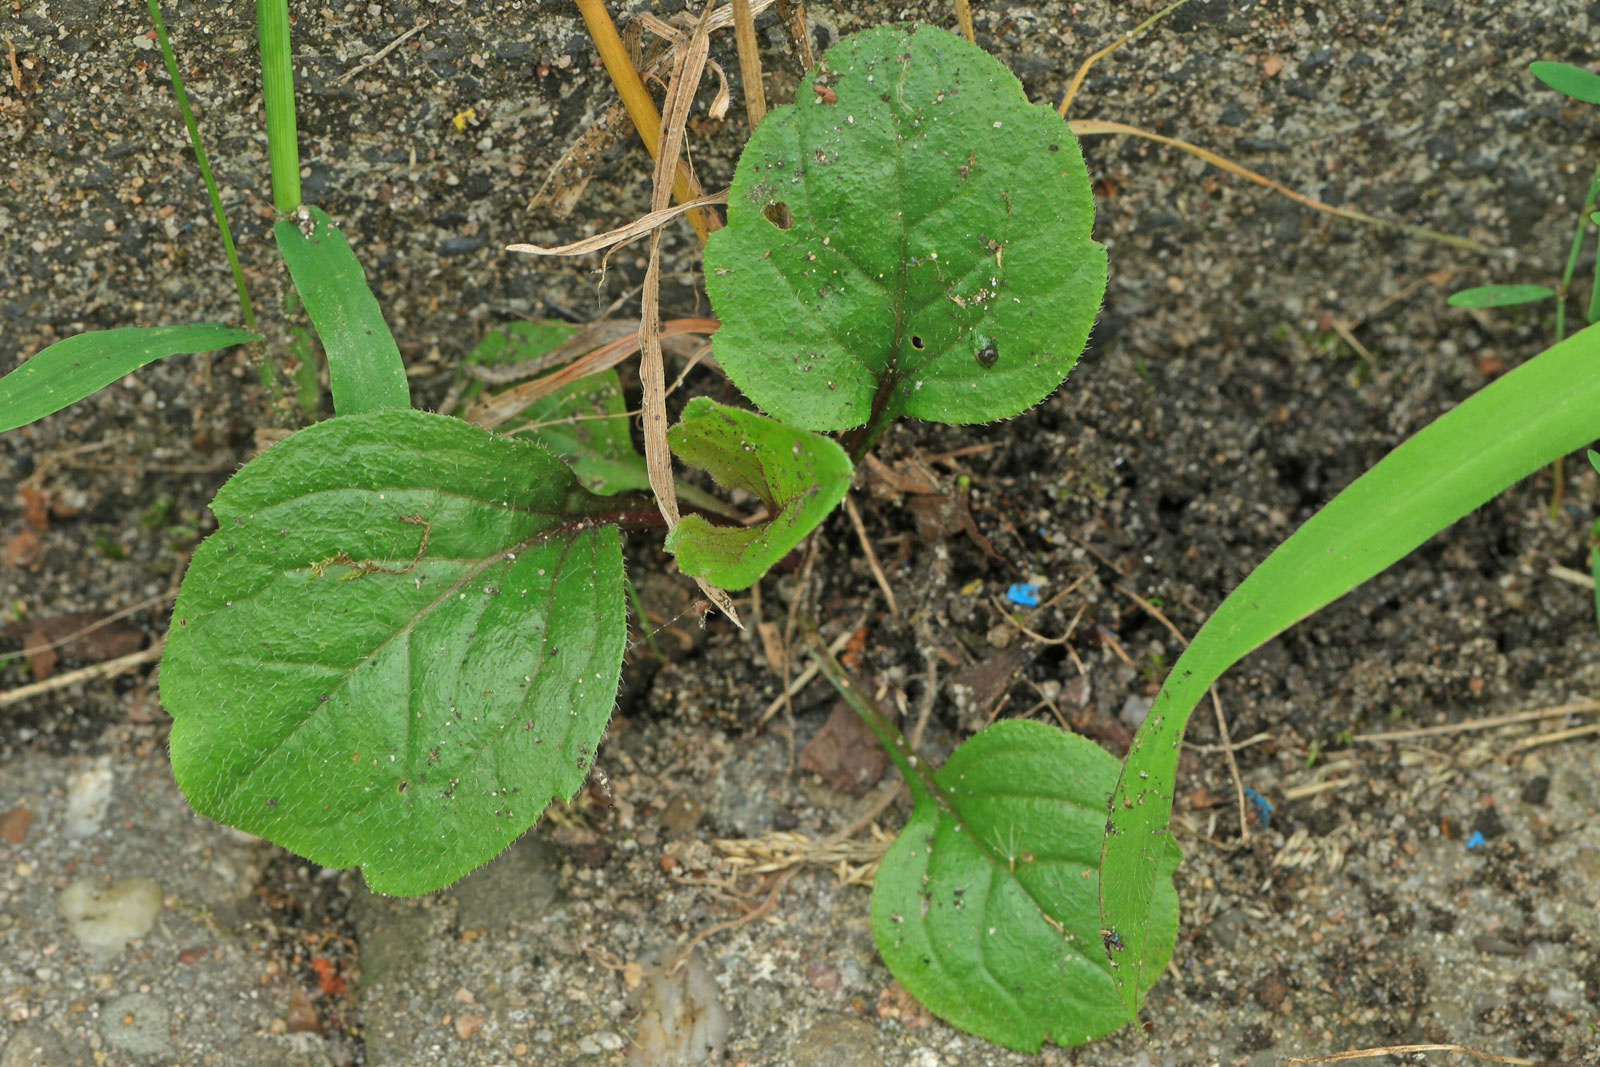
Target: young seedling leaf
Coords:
[[1576, 82], [911, 238], [585, 423], [1510, 428], [365, 371], [402, 641], [79, 366], [1499, 296], [986, 905], [799, 476]]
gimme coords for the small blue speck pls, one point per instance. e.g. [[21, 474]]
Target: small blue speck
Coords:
[[1263, 806], [1476, 840], [1024, 593]]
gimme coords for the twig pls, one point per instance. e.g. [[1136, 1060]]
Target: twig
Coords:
[[1577, 708], [793, 14], [751, 916], [1299, 792], [377, 57], [1086, 127], [964, 19], [1395, 1050], [108, 669], [637, 228], [1555, 735], [872, 556], [1567, 574], [641, 109], [1083, 70], [803, 679], [755, 91], [107, 621]]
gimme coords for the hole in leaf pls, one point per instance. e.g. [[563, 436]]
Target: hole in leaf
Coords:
[[778, 214], [916, 342]]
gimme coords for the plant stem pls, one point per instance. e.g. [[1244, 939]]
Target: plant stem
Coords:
[[1558, 471], [277, 93], [205, 167], [1572, 255], [917, 774]]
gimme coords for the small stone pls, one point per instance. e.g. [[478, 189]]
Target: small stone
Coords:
[[838, 1041], [1134, 710], [302, 1017], [89, 798], [467, 1025], [1534, 792], [105, 917], [14, 826]]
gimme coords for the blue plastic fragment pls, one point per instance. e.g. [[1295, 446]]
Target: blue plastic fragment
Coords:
[[1263, 806], [1476, 840], [1024, 593]]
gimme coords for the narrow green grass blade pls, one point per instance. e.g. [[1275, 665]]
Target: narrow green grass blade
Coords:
[[365, 372], [1542, 410], [1565, 78], [248, 313], [1499, 296], [72, 369]]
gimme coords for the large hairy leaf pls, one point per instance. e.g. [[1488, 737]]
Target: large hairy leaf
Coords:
[[911, 238], [1510, 428], [402, 641], [986, 905]]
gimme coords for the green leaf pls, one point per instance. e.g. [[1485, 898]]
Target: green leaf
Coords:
[[365, 371], [79, 366], [937, 260], [585, 423], [1499, 296], [1576, 82], [1517, 424], [403, 640], [799, 476], [985, 907]]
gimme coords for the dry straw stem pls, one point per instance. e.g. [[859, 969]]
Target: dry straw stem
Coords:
[[964, 19], [1396, 1050], [744, 33], [623, 342], [1090, 127], [1558, 711], [109, 669], [871, 554], [689, 64], [793, 15], [1083, 70], [622, 234], [641, 109]]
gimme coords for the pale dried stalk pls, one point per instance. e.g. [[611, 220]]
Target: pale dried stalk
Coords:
[[755, 91], [622, 343], [1396, 1050], [690, 64], [637, 228]]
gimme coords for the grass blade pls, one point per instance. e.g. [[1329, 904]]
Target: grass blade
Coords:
[[1575, 82], [365, 371], [1540, 411], [1499, 296], [72, 369], [245, 309]]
